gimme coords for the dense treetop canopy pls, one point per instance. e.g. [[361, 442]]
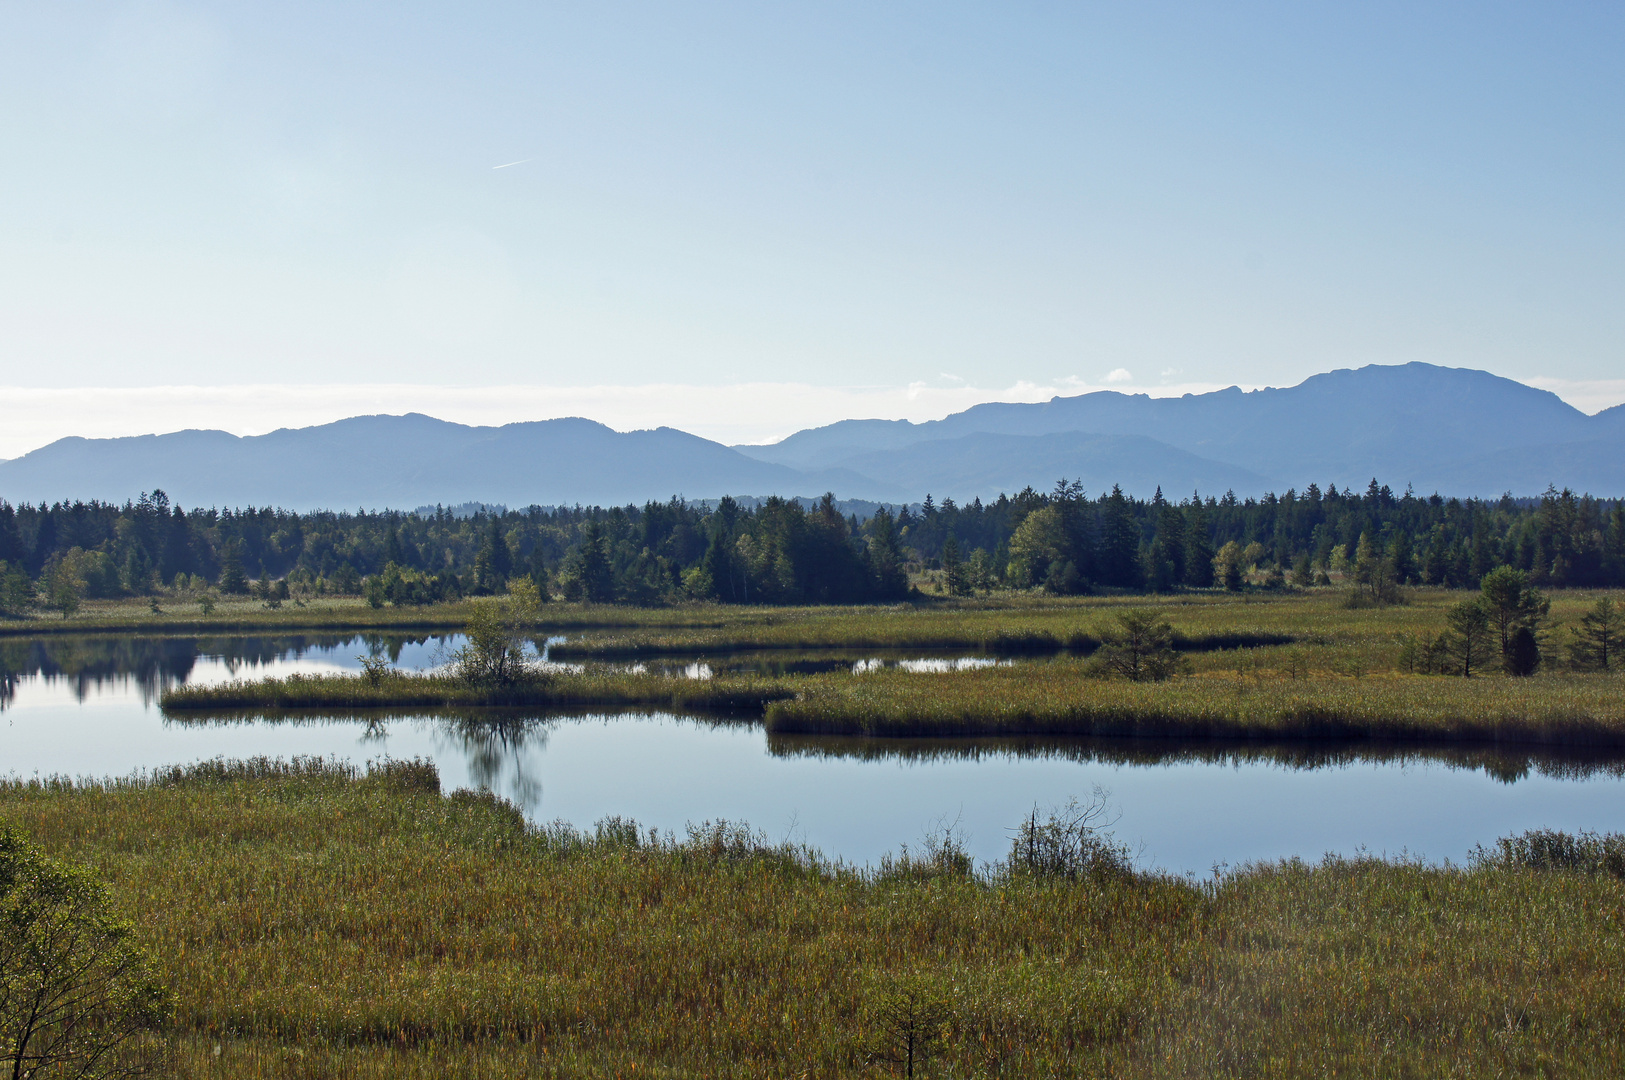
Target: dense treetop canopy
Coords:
[[803, 551]]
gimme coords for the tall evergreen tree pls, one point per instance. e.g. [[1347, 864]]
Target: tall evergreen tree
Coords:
[[885, 557], [232, 578], [44, 540], [596, 576], [1198, 546], [11, 540], [1119, 553], [1171, 532], [178, 556]]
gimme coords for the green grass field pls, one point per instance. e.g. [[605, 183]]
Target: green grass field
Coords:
[[312, 922]]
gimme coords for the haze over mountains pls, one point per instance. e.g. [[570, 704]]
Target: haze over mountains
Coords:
[[1452, 430]]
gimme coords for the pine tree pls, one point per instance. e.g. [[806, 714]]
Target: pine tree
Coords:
[[1595, 644], [1470, 636], [1512, 604]]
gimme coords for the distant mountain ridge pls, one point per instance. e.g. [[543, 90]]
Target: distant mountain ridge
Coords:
[[1415, 423], [1454, 430], [401, 461]]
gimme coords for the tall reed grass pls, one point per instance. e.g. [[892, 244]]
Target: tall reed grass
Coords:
[[398, 690], [317, 920], [1064, 698]]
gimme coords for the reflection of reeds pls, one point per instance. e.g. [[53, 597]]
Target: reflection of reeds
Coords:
[[1336, 681], [1055, 698], [1504, 763], [993, 635], [316, 920]]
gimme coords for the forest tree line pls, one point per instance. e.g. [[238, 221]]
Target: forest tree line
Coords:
[[786, 552]]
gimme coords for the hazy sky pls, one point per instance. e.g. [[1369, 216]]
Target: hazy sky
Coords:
[[299, 211]]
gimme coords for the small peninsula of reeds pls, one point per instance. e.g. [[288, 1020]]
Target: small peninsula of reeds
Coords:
[[397, 690]]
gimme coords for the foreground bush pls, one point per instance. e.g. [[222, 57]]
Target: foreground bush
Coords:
[[77, 998]]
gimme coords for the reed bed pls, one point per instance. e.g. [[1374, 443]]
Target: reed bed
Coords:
[[316, 920], [1003, 630], [1063, 697], [319, 923], [182, 615], [1204, 624], [1392, 968], [1066, 698], [1336, 680], [398, 690]]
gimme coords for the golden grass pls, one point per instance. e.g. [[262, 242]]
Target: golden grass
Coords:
[[397, 690], [317, 923], [1063, 697]]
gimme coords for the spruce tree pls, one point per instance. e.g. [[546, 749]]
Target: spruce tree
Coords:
[[1119, 542], [11, 541], [597, 576], [1198, 546], [177, 556], [232, 578]]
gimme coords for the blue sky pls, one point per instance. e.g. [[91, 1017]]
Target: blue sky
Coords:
[[893, 209]]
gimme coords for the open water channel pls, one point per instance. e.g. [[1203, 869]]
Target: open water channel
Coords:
[[87, 707]]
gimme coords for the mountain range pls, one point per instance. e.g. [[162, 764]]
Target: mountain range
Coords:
[[1452, 430]]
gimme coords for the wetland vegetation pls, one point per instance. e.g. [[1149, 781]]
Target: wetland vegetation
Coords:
[[1273, 666], [309, 919]]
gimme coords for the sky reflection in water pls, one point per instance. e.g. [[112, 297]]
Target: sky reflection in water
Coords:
[[84, 707]]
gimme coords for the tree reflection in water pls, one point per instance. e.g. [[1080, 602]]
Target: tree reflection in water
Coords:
[[495, 746], [153, 662]]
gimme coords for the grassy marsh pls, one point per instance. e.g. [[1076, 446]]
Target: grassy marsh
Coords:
[[1336, 679], [1064, 697], [409, 690], [314, 921]]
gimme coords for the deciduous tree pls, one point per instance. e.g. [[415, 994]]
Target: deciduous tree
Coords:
[[76, 994]]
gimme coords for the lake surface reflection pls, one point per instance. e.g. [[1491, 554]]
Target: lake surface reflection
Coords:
[[85, 707]]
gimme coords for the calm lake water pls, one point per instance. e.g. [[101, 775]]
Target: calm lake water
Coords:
[[87, 707]]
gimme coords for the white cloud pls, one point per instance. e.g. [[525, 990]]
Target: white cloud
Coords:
[[740, 413], [1120, 375]]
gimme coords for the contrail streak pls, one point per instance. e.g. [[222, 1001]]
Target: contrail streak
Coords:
[[511, 164]]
